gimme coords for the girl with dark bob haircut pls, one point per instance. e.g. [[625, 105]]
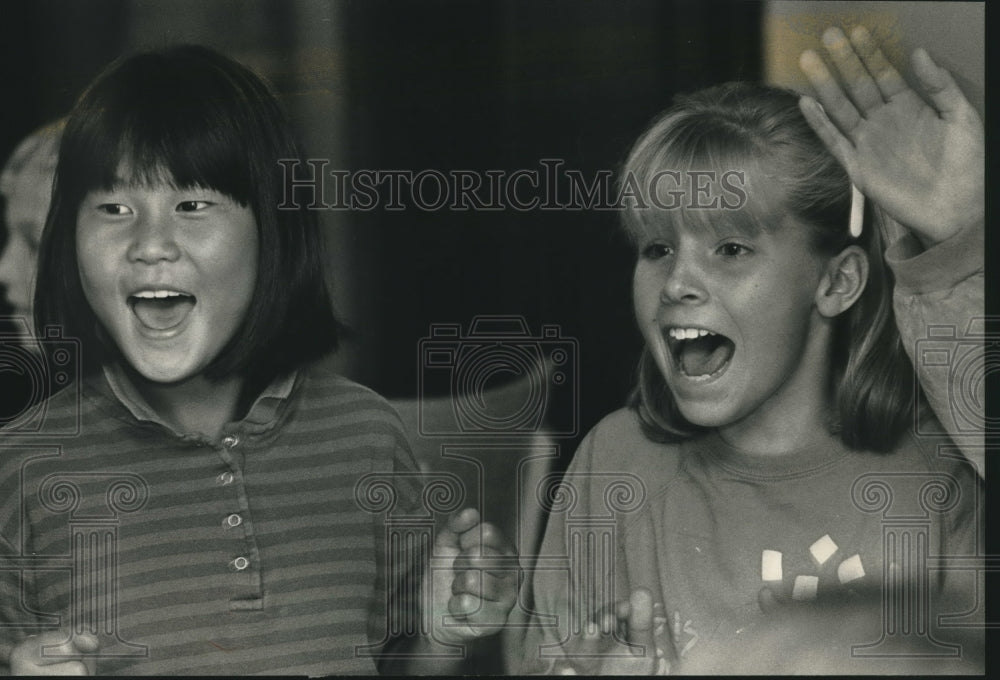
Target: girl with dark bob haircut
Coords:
[[203, 120], [249, 482], [741, 500]]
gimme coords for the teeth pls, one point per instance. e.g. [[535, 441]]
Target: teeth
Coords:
[[159, 294], [688, 333]]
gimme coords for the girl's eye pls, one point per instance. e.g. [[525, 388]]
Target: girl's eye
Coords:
[[192, 206], [114, 209], [654, 251], [733, 250]]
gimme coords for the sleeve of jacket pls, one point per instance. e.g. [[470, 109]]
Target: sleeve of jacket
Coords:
[[939, 308]]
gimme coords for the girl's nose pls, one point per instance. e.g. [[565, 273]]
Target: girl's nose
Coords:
[[153, 241], [683, 283]]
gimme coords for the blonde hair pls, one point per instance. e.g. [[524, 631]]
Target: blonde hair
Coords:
[[760, 128]]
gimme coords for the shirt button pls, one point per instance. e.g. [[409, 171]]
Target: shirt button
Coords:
[[240, 563], [230, 441], [225, 479], [234, 520]]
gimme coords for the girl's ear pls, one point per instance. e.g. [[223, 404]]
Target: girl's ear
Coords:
[[843, 281]]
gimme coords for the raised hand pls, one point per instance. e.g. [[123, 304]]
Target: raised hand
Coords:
[[63, 654], [468, 582], [922, 163]]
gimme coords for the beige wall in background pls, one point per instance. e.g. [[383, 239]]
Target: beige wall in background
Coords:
[[953, 33]]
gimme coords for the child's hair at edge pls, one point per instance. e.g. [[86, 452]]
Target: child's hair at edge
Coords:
[[194, 118], [741, 125]]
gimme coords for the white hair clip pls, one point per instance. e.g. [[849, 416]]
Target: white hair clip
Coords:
[[857, 212]]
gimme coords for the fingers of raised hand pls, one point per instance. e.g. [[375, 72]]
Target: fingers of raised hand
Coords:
[[842, 149], [862, 88], [938, 84], [835, 102], [867, 79], [871, 79], [885, 76]]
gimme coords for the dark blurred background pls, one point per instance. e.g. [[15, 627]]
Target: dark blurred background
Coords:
[[441, 85], [457, 85]]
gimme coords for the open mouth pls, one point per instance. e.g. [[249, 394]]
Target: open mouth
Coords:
[[161, 310], [700, 354]]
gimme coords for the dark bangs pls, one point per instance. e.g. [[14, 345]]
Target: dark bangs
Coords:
[[162, 118], [191, 117]]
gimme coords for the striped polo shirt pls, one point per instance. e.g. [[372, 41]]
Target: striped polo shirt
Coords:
[[262, 552]]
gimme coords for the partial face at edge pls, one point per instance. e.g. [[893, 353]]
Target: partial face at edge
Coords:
[[169, 273], [27, 204]]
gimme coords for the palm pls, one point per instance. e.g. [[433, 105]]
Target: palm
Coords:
[[918, 166], [922, 164]]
